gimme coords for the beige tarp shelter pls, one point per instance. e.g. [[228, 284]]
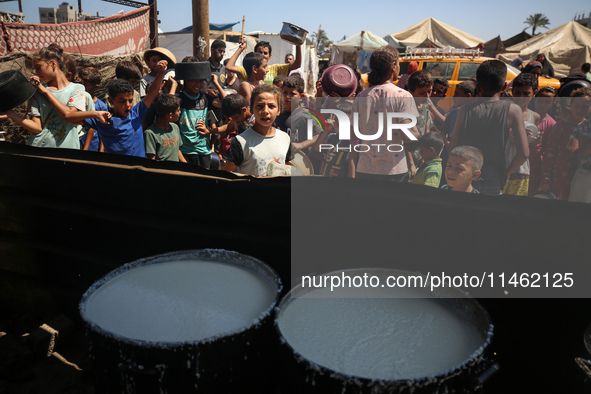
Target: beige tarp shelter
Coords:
[[439, 33], [567, 47], [356, 50]]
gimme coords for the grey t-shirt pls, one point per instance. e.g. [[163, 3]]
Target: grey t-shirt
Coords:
[[253, 152]]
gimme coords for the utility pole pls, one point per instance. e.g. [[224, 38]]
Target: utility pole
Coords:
[[201, 29]]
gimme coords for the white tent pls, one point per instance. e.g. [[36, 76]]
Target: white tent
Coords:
[[356, 50], [441, 34], [566, 47]]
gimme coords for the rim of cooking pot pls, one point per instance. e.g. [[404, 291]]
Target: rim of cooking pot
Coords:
[[476, 356], [219, 255]]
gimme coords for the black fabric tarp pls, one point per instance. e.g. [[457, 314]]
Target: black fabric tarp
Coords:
[[69, 217]]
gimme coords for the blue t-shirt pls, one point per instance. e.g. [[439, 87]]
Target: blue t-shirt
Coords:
[[99, 105], [193, 110], [123, 136]]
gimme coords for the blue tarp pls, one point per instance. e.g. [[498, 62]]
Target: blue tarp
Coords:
[[214, 26]]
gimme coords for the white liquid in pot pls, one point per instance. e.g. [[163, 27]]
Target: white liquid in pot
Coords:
[[180, 301], [379, 338]]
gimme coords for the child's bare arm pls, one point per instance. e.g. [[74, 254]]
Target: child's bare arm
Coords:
[[216, 83], [411, 163], [225, 128], [78, 117], [297, 62], [89, 137], [231, 65], [457, 129], [353, 159], [156, 85], [438, 118], [245, 90], [229, 166], [182, 158], [151, 156], [516, 123], [298, 146], [63, 110], [32, 125]]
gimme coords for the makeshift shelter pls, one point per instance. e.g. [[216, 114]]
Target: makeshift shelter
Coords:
[[494, 47], [392, 41], [567, 47], [438, 33], [516, 39], [356, 50]]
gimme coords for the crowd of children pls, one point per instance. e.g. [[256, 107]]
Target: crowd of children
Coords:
[[243, 118]]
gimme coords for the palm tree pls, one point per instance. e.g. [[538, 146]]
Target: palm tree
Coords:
[[321, 40], [537, 20]]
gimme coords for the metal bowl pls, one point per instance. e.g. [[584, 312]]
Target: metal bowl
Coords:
[[292, 33]]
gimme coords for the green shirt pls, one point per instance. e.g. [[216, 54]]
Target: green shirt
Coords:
[[164, 144], [429, 174]]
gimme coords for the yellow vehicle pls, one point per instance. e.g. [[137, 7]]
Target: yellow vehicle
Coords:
[[457, 65]]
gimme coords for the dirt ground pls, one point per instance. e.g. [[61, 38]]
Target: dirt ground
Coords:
[[37, 361]]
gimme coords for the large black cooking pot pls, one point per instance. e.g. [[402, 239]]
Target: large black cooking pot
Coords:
[[234, 361], [14, 89], [299, 374]]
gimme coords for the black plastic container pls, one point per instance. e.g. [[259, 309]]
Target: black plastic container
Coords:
[[299, 374], [239, 361]]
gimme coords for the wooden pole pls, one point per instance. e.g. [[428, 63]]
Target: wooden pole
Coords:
[[20, 6], [153, 23], [242, 34], [201, 29]]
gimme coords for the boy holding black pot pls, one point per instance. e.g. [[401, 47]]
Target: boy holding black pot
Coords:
[[193, 121]]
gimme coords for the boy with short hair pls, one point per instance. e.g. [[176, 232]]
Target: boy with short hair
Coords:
[[91, 79], [123, 134], [420, 86], [294, 121], [262, 144], [525, 87], [438, 92], [278, 81], [256, 68], [236, 110], [429, 173], [163, 138], [264, 48], [463, 167], [485, 124], [128, 71]]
